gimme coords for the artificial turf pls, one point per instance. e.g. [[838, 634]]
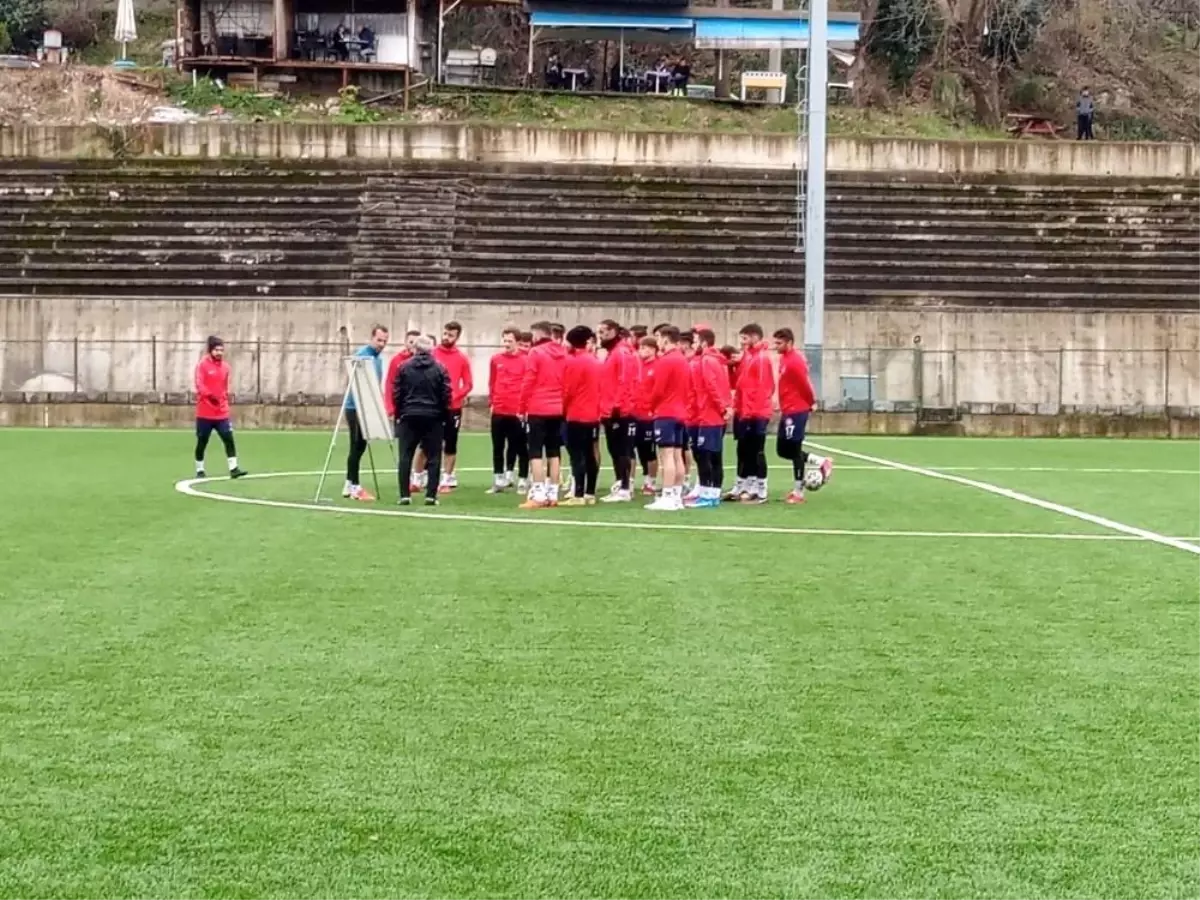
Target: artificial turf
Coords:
[[227, 700]]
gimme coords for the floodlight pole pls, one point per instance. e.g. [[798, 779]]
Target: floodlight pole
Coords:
[[814, 219]]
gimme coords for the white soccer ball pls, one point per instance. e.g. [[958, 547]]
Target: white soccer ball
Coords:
[[814, 480]]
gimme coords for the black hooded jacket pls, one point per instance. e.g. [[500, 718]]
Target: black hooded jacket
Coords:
[[421, 389]]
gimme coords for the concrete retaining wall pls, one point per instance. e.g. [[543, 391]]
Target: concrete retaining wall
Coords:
[[130, 411], [498, 146], [1035, 362]]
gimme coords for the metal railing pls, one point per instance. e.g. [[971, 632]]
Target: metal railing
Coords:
[[872, 378]]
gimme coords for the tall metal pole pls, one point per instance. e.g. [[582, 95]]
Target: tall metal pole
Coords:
[[814, 225]]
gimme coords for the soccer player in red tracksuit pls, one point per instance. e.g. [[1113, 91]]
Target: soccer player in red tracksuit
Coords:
[[713, 405], [752, 406], [506, 372], [668, 397], [618, 388], [212, 406], [643, 413], [796, 400], [541, 406], [581, 380], [456, 363]]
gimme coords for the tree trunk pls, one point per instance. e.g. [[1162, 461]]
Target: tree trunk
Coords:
[[982, 78], [858, 68]]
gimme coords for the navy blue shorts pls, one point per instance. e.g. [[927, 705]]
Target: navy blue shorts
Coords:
[[669, 433], [645, 431], [789, 441], [205, 427], [709, 437], [751, 428], [693, 431]]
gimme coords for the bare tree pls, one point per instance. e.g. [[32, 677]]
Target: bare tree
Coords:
[[982, 40]]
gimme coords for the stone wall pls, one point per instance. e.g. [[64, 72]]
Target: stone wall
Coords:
[[500, 146]]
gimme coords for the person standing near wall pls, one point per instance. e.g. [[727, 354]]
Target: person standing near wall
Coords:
[[1085, 110]]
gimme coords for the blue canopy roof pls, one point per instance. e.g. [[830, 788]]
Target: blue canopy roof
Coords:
[[543, 18], [764, 34]]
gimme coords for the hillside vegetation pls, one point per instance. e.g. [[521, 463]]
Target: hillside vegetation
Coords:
[[926, 68]]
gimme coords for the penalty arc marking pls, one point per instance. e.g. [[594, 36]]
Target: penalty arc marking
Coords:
[[190, 487]]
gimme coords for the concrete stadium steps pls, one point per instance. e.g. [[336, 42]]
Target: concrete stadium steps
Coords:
[[561, 235], [414, 219], [131, 232]]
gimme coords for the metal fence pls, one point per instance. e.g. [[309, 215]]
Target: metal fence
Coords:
[[878, 379]]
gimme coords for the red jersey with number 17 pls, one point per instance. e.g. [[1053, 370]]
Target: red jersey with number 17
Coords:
[[795, 387]]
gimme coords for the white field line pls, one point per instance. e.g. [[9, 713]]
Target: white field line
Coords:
[[875, 468], [189, 487], [1144, 534]]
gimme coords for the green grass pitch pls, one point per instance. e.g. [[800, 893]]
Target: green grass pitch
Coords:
[[215, 699]]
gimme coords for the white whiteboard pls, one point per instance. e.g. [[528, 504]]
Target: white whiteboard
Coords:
[[368, 399]]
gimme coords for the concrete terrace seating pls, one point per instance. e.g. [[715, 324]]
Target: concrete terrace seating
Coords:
[[560, 236], [176, 232]]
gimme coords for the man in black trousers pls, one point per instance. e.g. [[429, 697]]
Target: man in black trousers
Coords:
[[421, 393]]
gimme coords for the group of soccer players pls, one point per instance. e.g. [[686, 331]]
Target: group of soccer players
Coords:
[[664, 399]]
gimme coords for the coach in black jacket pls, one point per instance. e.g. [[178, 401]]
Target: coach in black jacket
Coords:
[[421, 393]]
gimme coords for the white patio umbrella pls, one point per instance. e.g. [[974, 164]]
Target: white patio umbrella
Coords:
[[126, 29]]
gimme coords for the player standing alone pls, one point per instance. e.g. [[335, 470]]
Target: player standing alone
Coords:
[[795, 404], [212, 406], [358, 443]]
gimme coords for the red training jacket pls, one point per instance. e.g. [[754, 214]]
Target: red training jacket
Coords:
[[583, 375], [693, 362], [455, 362], [212, 389], [542, 386], [755, 384], [795, 387], [618, 383], [506, 371], [643, 411], [710, 388], [389, 379], [670, 386]]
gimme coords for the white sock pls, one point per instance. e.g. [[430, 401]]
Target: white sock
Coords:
[[799, 488], [762, 487], [552, 491], [354, 488], [232, 463], [537, 491], [199, 466]]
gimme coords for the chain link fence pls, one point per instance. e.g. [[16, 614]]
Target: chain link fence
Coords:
[[876, 379]]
